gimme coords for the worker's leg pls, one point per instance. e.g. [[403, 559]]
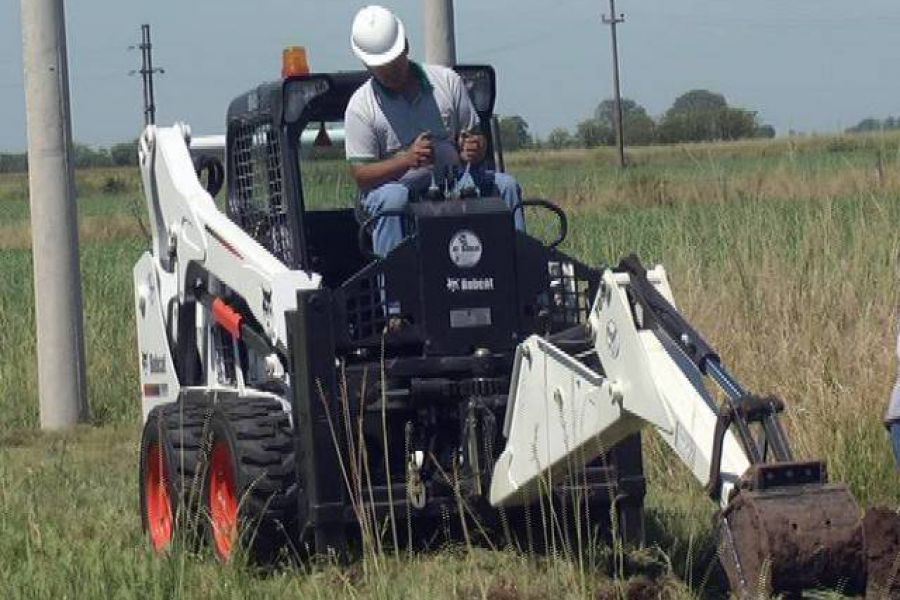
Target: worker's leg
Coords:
[[388, 231], [495, 183], [895, 441], [508, 188]]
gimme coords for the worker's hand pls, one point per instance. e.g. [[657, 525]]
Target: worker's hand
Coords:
[[472, 147], [421, 151]]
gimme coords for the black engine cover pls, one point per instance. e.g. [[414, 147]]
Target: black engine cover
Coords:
[[466, 253]]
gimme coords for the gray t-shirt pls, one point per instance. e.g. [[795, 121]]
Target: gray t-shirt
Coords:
[[379, 122]]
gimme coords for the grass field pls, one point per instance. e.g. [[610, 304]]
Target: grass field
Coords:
[[784, 253]]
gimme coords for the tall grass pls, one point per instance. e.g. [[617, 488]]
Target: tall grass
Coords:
[[784, 254]]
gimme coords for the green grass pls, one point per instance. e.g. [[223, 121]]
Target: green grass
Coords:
[[784, 254], [68, 529]]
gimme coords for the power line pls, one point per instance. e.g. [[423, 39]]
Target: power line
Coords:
[[612, 21], [147, 71]]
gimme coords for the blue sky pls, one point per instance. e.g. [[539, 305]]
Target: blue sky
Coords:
[[807, 65]]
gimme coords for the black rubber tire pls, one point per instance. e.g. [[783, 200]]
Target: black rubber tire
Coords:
[[155, 433], [259, 437], [180, 429]]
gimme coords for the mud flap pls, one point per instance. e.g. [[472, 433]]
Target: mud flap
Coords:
[[790, 539]]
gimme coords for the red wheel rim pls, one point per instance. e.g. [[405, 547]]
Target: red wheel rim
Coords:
[[223, 504], [156, 495]]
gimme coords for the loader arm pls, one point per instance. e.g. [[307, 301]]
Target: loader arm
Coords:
[[782, 526], [191, 235]]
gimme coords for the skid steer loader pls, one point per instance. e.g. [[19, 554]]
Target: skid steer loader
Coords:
[[296, 388]]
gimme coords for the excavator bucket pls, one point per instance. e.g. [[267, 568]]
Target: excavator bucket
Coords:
[[786, 530], [791, 539]]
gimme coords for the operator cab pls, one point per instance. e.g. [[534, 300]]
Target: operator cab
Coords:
[[463, 281]]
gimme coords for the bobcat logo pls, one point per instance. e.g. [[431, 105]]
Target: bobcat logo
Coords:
[[465, 249]]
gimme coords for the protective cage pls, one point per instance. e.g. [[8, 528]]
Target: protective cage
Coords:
[[265, 191]]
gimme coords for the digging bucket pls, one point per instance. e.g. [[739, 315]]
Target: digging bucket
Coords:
[[791, 539]]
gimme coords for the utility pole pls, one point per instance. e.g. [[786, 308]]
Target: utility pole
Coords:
[[612, 21], [147, 71], [440, 34], [54, 222]]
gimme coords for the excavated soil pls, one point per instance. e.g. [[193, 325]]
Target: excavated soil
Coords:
[[638, 588], [882, 530]]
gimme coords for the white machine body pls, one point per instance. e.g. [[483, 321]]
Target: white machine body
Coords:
[[189, 232]]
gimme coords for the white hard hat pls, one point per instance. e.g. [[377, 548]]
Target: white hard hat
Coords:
[[377, 37]]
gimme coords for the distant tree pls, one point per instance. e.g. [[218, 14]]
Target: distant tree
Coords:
[[124, 154], [514, 133], [869, 125], [13, 163], [591, 133], [701, 115], [85, 156], [698, 100], [764, 131], [734, 124], [639, 127], [559, 138], [683, 127], [872, 124]]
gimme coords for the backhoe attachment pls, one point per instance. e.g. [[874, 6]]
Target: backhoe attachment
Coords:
[[783, 528]]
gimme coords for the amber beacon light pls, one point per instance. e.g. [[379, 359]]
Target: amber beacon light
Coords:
[[293, 61]]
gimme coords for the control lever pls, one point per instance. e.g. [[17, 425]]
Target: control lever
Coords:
[[467, 187], [434, 192]]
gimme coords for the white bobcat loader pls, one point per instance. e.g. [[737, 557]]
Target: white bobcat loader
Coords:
[[292, 382]]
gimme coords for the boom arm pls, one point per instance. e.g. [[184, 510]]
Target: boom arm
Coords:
[[782, 526], [562, 406]]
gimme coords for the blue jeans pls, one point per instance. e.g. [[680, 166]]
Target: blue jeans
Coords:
[[895, 441], [388, 232]]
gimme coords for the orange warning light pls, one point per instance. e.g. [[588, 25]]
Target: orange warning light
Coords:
[[293, 61]]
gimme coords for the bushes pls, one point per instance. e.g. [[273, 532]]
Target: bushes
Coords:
[[695, 116], [84, 157]]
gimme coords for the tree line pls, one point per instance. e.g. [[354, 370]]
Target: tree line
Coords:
[[695, 116], [873, 124], [118, 155]]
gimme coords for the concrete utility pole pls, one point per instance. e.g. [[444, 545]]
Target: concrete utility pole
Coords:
[[440, 35], [612, 21], [54, 226], [147, 71]]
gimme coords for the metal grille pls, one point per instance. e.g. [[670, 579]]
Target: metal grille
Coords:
[[257, 201], [567, 299], [367, 307]]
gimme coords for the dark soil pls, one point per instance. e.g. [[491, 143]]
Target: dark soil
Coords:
[[882, 531]]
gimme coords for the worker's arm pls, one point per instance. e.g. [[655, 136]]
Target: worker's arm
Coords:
[[472, 147], [472, 144], [371, 174]]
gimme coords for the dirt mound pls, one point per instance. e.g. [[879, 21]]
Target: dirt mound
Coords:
[[637, 588], [504, 590], [882, 530]]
